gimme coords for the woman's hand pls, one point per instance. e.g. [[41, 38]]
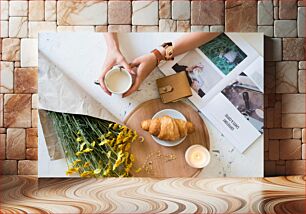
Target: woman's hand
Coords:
[[145, 65], [113, 57]]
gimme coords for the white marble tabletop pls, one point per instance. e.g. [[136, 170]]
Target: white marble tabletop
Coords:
[[79, 56]]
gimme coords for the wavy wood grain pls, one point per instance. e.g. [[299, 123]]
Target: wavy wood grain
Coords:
[[139, 195]]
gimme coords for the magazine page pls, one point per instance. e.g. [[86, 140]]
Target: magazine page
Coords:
[[226, 71], [241, 92], [230, 55], [242, 120], [239, 131], [214, 65]]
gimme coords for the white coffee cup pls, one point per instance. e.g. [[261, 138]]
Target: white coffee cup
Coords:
[[118, 80]]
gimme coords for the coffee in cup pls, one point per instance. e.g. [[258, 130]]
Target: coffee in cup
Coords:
[[118, 80]]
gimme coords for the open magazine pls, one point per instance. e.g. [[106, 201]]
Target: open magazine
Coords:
[[226, 75]]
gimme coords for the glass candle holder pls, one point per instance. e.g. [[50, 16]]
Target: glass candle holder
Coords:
[[197, 156]]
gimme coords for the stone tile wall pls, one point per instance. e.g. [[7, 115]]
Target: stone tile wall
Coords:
[[282, 21]]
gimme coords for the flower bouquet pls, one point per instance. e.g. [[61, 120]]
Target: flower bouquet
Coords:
[[95, 147]]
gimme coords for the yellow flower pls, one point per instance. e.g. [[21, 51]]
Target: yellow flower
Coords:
[[126, 154], [120, 147], [119, 138], [86, 173], [115, 126], [128, 167], [130, 133], [134, 138], [123, 175], [129, 158], [127, 146], [103, 142], [93, 143], [78, 139], [117, 163], [141, 139], [124, 128], [76, 162], [126, 139], [110, 125], [71, 171], [102, 137], [86, 164], [97, 171], [87, 150], [138, 170], [120, 154], [78, 153], [108, 134], [132, 158], [111, 143], [119, 160], [107, 171], [82, 146], [108, 154]]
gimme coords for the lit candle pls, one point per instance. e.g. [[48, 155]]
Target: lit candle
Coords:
[[197, 156]]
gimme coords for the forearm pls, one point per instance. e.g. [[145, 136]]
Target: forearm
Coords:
[[191, 41], [111, 41]]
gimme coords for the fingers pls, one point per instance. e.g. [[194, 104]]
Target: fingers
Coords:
[[106, 68], [140, 67], [134, 65], [127, 66], [136, 61], [102, 84], [134, 87]]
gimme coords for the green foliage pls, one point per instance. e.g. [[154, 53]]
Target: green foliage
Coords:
[[94, 147]]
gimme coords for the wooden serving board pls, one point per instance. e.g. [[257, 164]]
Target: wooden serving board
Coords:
[[160, 161]]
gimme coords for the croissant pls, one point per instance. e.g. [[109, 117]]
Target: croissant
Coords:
[[168, 128]]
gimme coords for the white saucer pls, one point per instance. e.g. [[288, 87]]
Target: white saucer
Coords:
[[174, 114]]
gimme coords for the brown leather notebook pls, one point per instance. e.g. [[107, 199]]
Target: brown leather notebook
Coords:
[[174, 87]]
